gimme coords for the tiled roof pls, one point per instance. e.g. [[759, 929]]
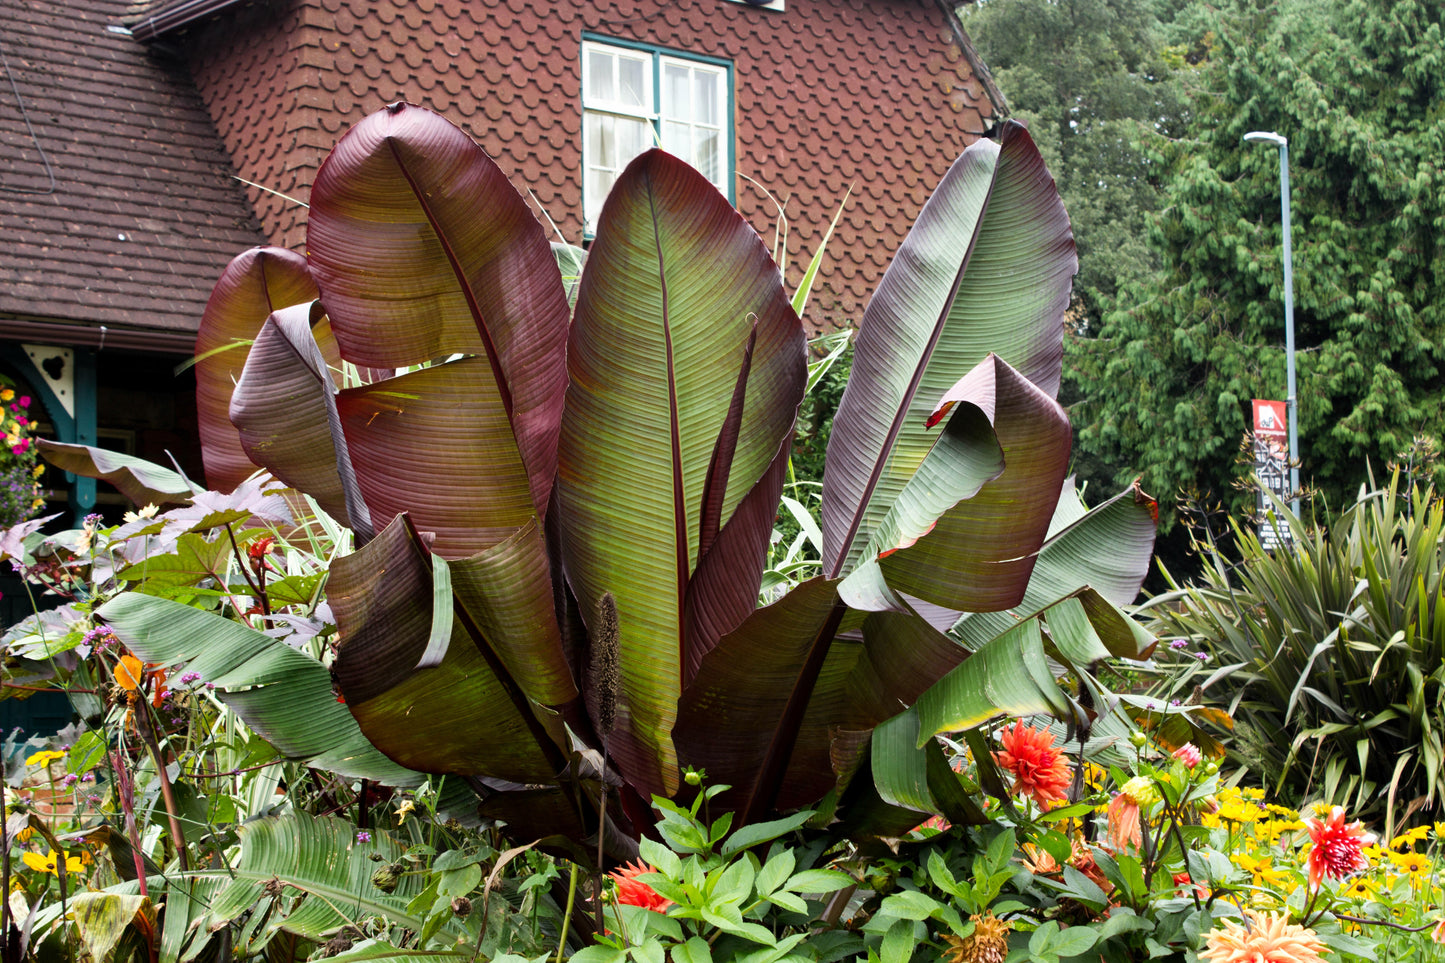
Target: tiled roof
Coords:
[[869, 93], [143, 214]]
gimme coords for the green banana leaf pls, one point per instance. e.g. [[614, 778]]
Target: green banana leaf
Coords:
[[687, 366], [422, 249], [255, 284], [283, 695], [141, 481], [986, 268]]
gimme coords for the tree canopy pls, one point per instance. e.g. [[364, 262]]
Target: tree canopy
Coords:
[[1167, 383]]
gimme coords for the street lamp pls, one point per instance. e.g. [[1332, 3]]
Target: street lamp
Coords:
[[1291, 401]]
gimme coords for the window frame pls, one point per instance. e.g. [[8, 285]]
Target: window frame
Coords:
[[658, 55]]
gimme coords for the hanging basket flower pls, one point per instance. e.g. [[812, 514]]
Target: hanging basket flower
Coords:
[[20, 468]]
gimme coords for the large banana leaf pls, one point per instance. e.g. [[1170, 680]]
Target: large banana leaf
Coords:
[[283, 695], [437, 443], [422, 249], [141, 481], [687, 365], [255, 284], [977, 553], [986, 268], [475, 712]]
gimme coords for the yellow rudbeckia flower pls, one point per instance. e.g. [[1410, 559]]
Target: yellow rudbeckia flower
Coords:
[[44, 757], [49, 862]]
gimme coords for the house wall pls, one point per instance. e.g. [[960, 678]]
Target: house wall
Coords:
[[871, 94]]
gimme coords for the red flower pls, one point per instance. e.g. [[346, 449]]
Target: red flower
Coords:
[[634, 893], [1336, 849], [260, 547], [1038, 766]]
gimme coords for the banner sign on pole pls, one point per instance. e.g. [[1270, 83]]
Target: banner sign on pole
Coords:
[[1271, 465]]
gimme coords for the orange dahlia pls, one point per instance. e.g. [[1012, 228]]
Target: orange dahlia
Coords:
[[633, 892], [1266, 938], [1038, 766], [1337, 848]]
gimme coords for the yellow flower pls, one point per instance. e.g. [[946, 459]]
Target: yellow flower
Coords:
[[987, 944], [48, 863], [1412, 863], [1360, 887], [148, 512], [44, 757], [404, 810], [6, 394], [1407, 840], [1264, 874]]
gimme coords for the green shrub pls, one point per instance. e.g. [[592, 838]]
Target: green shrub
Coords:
[[1330, 656]]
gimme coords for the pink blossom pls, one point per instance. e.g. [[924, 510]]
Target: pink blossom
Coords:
[[1188, 754]]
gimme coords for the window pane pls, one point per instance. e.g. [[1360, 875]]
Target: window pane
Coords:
[[676, 103], [599, 76], [704, 91], [598, 184], [633, 137], [634, 84], [707, 160], [601, 141], [677, 140]]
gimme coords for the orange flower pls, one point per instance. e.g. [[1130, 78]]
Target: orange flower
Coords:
[[1124, 825], [1337, 848], [128, 673], [1038, 766], [634, 893], [1082, 859], [1267, 939]]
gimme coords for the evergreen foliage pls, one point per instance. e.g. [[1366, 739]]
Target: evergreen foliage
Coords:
[[1356, 88]]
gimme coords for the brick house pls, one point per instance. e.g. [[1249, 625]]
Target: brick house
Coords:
[[126, 127]]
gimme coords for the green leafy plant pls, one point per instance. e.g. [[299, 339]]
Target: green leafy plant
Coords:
[[1337, 643], [561, 516]]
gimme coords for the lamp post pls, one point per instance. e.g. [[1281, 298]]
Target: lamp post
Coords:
[[1291, 400]]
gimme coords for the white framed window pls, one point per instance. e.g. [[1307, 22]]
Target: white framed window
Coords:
[[635, 97]]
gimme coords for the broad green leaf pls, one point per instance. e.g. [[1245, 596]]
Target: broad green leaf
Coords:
[[255, 284], [319, 860], [282, 694], [103, 918], [422, 249], [476, 712], [913, 776], [687, 365], [141, 481], [981, 553], [986, 268], [1109, 549], [751, 835], [1006, 677]]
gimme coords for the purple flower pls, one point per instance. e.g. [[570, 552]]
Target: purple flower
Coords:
[[92, 519], [1174, 702], [88, 777], [210, 686], [188, 677], [363, 836], [70, 779], [1178, 644], [1202, 656]]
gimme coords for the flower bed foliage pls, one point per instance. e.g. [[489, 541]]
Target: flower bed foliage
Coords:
[[20, 469]]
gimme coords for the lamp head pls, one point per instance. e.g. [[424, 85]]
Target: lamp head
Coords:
[[1266, 137]]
